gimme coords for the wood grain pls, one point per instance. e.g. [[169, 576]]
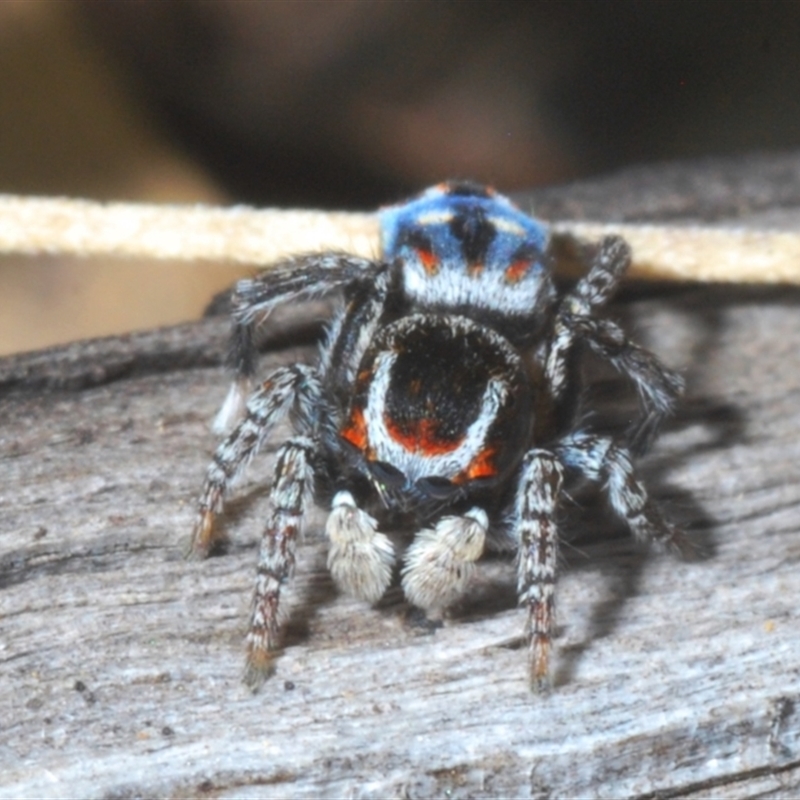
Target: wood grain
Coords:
[[121, 661]]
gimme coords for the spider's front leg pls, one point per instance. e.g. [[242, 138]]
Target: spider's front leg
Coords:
[[291, 490], [298, 278], [658, 387], [535, 520], [577, 307]]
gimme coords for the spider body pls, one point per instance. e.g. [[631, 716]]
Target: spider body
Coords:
[[445, 402], [439, 396]]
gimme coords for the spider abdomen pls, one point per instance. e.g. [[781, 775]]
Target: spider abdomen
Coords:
[[440, 396]]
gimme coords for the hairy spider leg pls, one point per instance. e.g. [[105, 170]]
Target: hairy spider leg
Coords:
[[602, 460], [658, 387], [537, 500], [300, 278], [351, 332], [608, 267], [593, 290], [292, 488], [286, 387]]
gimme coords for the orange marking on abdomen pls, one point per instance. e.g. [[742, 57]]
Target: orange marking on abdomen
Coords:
[[355, 431], [421, 437], [482, 466]]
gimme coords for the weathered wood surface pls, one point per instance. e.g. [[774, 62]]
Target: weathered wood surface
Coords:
[[121, 661]]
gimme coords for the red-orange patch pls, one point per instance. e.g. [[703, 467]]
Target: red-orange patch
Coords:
[[429, 261], [422, 437], [482, 466], [516, 271], [355, 431]]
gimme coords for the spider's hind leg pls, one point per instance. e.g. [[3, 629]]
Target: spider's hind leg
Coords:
[[575, 311], [600, 459], [658, 387]]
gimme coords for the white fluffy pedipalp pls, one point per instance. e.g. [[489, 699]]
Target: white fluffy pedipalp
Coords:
[[360, 559], [441, 561]]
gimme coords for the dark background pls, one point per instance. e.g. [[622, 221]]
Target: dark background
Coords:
[[351, 103], [345, 104]]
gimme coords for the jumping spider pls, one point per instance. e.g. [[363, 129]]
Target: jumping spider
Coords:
[[445, 401]]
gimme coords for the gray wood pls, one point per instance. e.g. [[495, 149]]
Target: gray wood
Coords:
[[121, 661]]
